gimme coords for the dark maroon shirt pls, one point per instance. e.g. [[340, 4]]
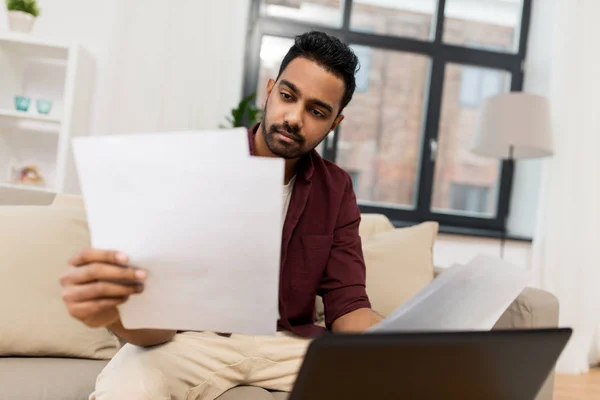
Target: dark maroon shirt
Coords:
[[321, 252]]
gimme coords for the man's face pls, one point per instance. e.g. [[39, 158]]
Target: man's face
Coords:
[[302, 107]]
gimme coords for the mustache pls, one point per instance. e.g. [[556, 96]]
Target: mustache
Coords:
[[292, 131]]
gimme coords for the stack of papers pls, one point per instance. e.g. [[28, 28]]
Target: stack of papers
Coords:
[[197, 212], [469, 297]]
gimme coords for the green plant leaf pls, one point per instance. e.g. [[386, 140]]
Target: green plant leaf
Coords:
[[27, 6], [245, 107], [254, 115], [238, 116]]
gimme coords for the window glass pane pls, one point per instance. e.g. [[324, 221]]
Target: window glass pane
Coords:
[[320, 148], [406, 18], [380, 139], [320, 12], [465, 183], [485, 24], [272, 51]]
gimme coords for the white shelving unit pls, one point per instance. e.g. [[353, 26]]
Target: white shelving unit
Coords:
[[43, 69], [19, 115]]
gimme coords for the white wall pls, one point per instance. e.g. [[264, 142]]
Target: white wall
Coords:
[[159, 65], [179, 64], [451, 249]]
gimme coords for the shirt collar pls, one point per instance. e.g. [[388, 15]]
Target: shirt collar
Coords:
[[305, 167]]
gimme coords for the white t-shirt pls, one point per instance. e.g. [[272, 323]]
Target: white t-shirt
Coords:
[[287, 195]]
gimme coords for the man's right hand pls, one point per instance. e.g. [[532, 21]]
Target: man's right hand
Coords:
[[96, 282]]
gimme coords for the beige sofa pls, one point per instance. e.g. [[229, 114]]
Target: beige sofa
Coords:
[[67, 378]]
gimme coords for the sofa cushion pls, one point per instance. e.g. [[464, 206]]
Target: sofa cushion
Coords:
[[48, 378], [72, 379], [68, 201], [35, 246], [399, 264], [372, 224]]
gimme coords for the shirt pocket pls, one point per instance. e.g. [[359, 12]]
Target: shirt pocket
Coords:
[[316, 249]]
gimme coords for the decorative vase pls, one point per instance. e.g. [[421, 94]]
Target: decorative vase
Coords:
[[19, 21], [44, 106], [22, 103]]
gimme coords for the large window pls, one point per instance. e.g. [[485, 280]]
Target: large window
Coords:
[[426, 68]]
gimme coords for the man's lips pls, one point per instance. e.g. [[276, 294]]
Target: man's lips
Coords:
[[286, 137]]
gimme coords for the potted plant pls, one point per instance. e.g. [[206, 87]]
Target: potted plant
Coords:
[[245, 114], [22, 14]]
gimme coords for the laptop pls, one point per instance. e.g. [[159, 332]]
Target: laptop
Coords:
[[494, 365]]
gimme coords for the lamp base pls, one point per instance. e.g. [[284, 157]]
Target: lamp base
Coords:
[[511, 163]]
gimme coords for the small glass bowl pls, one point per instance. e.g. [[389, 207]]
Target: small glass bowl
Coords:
[[22, 103], [44, 106]]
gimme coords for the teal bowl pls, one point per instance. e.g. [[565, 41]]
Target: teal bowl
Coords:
[[22, 103], [44, 106]]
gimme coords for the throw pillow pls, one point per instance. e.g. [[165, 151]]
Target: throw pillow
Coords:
[[372, 224], [35, 246], [399, 264]]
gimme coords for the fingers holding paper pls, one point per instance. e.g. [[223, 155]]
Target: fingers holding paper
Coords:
[[100, 290], [96, 282]]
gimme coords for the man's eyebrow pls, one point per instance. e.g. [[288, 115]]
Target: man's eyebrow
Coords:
[[290, 85], [317, 102], [322, 104]]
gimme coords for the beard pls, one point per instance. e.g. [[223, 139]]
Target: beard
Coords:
[[298, 146], [295, 149], [288, 150]]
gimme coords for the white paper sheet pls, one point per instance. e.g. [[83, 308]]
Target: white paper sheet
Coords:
[[197, 212], [463, 298]]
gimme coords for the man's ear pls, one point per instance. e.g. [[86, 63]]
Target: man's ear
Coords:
[[338, 120], [270, 86]]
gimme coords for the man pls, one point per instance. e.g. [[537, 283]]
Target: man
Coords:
[[321, 254]]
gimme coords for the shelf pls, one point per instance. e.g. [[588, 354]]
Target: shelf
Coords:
[[29, 116], [25, 187], [31, 121], [31, 46]]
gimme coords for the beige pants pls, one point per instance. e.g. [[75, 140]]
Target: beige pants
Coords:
[[202, 365]]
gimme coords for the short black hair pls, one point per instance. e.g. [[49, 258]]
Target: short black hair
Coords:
[[330, 53]]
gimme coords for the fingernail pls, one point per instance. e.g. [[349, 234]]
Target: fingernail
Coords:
[[139, 288], [122, 258], [140, 274]]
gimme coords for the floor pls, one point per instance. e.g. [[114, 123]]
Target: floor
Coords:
[[581, 387]]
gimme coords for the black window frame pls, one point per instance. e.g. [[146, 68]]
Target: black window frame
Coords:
[[440, 54]]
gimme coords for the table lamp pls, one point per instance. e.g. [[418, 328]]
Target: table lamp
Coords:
[[513, 126]]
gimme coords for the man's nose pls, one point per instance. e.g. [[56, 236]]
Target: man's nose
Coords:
[[294, 117]]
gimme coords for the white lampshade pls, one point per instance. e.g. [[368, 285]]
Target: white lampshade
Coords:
[[516, 120]]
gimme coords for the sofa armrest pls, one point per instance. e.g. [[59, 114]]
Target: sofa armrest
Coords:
[[533, 309]]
